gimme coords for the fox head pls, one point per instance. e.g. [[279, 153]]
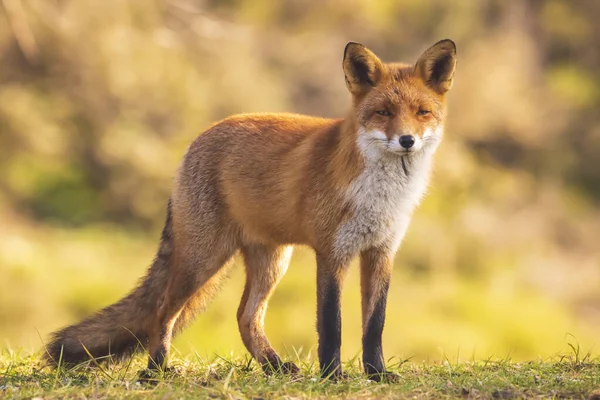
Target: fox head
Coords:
[[399, 108]]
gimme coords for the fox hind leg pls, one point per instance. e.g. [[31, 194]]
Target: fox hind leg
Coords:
[[265, 266], [194, 276]]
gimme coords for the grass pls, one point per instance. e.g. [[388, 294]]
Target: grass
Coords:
[[573, 376]]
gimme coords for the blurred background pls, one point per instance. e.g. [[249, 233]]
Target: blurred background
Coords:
[[99, 100]]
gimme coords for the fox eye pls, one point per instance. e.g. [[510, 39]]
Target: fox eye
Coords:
[[385, 113], [423, 112]]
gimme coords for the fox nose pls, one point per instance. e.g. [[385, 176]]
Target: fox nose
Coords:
[[407, 141]]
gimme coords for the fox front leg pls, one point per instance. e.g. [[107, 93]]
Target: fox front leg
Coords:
[[375, 273], [330, 275]]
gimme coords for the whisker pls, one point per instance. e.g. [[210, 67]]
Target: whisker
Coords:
[[376, 141]]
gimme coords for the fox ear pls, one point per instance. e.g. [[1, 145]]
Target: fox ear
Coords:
[[362, 68], [436, 66]]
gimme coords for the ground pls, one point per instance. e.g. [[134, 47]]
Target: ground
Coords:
[[23, 376]]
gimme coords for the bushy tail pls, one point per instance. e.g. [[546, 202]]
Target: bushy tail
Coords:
[[122, 328]]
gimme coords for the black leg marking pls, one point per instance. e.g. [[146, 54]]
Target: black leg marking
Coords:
[[372, 348], [158, 360], [329, 326]]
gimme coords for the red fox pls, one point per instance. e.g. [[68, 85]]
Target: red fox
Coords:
[[260, 183]]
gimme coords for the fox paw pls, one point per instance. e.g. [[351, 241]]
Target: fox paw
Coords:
[[334, 375], [150, 376], [289, 368], [280, 367], [153, 376], [384, 377]]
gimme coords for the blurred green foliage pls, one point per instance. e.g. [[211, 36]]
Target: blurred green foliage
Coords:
[[99, 100]]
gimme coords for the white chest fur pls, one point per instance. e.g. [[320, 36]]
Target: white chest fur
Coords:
[[382, 200]]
